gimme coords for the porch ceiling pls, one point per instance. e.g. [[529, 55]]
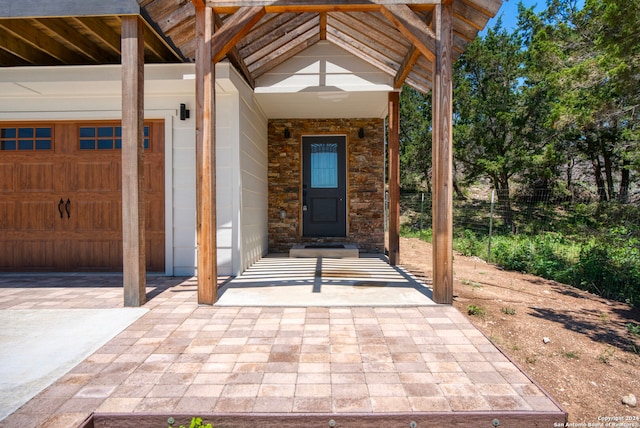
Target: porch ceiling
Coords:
[[395, 36]]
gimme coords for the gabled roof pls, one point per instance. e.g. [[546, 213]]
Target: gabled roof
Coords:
[[256, 35]]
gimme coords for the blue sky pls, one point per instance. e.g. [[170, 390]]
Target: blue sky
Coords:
[[509, 11]]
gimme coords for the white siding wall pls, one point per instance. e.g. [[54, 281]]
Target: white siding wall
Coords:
[[253, 158], [86, 93]]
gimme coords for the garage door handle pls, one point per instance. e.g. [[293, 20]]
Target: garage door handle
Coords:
[[66, 208], [60, 204]]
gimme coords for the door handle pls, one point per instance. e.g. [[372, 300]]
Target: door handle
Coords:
[[66, 207], [60, 204]]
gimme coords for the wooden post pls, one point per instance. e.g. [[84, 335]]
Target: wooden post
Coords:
[[443, 156], [394, 178], [206, 158], [133, 220]]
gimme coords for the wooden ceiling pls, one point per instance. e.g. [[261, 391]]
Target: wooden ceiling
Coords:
[[79, 40], [260, 34]]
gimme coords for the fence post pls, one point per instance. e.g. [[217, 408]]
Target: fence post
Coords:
[[421, 213], [493, 192]]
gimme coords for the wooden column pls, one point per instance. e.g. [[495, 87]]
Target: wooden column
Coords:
[[442, 156], [206, 158], [394, 178], [133, 220]]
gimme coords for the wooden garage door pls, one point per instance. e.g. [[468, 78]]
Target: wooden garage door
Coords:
[[61, 199]]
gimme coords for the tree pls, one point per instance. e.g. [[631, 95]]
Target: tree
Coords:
[[415, 139], [592, 110], [490, 119]]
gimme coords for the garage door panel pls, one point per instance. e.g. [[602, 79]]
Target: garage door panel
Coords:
[[7, 178], [36, 177], [37, 255], [38, 216], [97, 255], [93, 176], [95, 216], [153, 177], [7, 215], [155, 254], [8, 253], [154, 214]]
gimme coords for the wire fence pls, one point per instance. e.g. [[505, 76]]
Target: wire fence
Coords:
[[582, 241], [491, 213]]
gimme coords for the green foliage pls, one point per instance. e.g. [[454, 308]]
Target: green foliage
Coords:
[[610, 266], [469, 244], [571, 355], [508, 311], [474, 310], [415, 139], [196, 422], [632, 328]]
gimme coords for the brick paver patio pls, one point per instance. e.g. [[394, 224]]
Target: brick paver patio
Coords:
[[182, 358]]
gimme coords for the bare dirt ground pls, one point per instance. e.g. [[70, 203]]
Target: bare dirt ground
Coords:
[[591, 359]]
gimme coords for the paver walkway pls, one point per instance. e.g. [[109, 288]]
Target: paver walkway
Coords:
[[181, 358]]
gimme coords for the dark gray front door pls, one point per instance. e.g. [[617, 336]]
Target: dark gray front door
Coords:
[[324, 187]]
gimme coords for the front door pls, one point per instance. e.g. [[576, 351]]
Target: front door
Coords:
[[324, 186]]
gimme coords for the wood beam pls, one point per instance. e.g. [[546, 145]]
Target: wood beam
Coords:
[[412, 27], [79, 43], [277, 6], [410, 59], [133, 218], [102, 31], [404, 70], [37, 39], [442, 147], [323, 25], [234, 29], [394, 178], [236, 59], [19, 48], [206, 226]]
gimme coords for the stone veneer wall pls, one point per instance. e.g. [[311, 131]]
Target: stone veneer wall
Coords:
[[365, 192]]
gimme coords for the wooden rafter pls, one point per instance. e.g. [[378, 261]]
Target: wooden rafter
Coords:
[[405, 68], [360, 50], [236, 59], [284, 45], [410, 59], [287, 51], [29, 34], [102, 31], [63, 30], [235, 28], [412, 27]]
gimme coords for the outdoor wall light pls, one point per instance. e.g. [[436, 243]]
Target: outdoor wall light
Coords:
[[287, 134], [184, 113], [361, 133]]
